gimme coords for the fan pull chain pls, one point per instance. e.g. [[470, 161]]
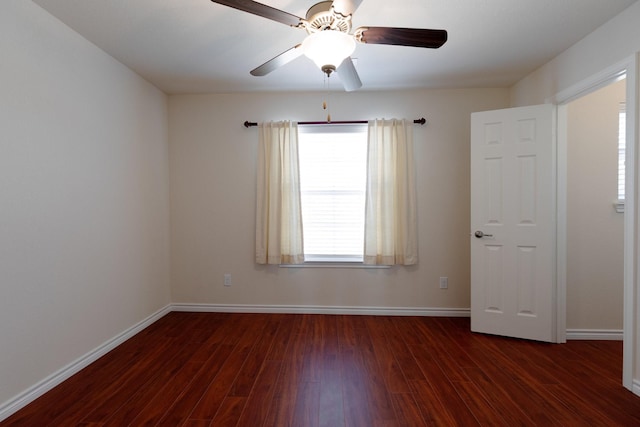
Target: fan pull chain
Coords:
[[324, 86], [328, 99]]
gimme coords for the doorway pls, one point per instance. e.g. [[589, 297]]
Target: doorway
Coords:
[[595, 219], [631, 338]]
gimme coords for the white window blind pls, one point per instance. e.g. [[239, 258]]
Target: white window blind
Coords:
[[622, 131], [333, 161]]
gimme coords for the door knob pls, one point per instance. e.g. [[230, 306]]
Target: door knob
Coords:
[[479, 234]]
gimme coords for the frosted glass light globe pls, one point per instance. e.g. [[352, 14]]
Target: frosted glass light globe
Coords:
[[328, 48]]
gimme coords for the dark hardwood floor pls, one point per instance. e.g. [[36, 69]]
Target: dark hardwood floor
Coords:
[[213, 369]]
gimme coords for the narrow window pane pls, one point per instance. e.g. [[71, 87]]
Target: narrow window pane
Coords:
[[622, 132]]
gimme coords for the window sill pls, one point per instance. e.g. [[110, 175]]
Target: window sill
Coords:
[[335, 265], [618, 205]]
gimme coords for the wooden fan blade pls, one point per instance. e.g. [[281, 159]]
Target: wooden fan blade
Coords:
[[403, 36], [277, 62], [349, 76], [345, 7], [263, 10]]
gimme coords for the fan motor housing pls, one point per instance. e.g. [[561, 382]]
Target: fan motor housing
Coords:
[[321, 16]]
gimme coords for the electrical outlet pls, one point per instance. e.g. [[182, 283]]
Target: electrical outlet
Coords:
[[444, 282], [227, 279]]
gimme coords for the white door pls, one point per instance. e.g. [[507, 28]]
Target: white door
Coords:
[[512, 222]]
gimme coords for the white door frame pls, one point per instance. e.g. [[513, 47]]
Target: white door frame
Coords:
[[631, 226]]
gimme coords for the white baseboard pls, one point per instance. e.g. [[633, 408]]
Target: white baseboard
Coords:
[[11, 406], [595, 334], [636, 387], [313, 309]]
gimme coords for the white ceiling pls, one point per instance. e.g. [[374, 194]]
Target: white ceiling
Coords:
[[196, 46]]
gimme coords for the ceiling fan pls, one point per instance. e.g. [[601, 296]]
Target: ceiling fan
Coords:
[[329, 42]]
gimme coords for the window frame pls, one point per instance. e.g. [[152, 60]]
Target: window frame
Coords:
[[333, 260]]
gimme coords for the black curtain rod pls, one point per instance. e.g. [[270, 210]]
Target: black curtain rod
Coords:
[[420, 121]]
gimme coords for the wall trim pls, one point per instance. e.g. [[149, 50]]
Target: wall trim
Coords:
[[13, 405], [32, 393], [314, 309], [636, 387], [595, 334], [23, 399]]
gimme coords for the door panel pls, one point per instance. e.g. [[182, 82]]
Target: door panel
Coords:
[[512, 205]]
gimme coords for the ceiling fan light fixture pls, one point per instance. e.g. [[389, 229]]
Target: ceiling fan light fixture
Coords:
[[328, 48]]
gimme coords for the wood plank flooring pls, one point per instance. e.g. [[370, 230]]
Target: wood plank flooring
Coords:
[[215, 369]]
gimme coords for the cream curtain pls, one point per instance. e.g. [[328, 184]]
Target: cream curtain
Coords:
[[390, 212], [278, 210]]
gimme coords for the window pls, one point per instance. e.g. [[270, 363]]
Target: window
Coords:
[[622, 126], [333, 162], [622, 132]]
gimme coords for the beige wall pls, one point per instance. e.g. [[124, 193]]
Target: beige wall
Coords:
[[84, 246], [212, 164], [613, 42], [594, 229]]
